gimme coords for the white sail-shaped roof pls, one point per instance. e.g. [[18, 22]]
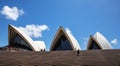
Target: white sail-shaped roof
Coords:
[[35, 45], [100, 40], [73, 42]]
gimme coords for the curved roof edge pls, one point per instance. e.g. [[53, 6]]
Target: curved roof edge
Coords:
[[100, 40], [70, 37], [26, 38]]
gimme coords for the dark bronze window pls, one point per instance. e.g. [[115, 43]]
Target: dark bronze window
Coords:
[[62, 44], [20, 43], [94, 46]]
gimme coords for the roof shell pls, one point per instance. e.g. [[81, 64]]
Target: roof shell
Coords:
[[35, 46], [100, 40], [69, 36]]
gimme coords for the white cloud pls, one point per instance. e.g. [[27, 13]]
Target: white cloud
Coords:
[[68, 30], [114, 41], [12, 13], [34, 30], [40, 45]]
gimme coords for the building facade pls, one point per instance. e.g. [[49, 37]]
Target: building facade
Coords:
[[64, 51]]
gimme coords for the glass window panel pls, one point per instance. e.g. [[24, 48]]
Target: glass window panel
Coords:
[[62, 44]]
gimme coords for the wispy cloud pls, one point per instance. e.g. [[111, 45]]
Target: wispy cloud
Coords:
[[114, 41], [12, 13], [34, 30], [85, 40]]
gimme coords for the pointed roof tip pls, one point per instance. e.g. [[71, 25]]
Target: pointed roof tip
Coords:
[[97, 33], [9, 25], [61, 26], [91, 35]]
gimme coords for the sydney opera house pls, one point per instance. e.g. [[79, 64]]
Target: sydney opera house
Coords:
[[20, 41], [65, 50]]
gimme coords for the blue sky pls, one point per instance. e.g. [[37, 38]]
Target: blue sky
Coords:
[[82, 17]]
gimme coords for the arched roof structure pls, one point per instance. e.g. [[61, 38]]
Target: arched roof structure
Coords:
[[99, 40], [34, 45], [71, 39]]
